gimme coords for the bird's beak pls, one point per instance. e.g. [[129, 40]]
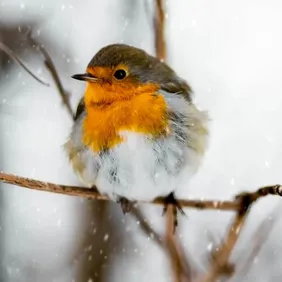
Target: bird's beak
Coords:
[[85, 77]]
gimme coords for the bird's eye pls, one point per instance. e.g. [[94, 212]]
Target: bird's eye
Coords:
[[120, 74]]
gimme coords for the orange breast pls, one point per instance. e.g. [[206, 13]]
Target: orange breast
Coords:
[[143, 113]]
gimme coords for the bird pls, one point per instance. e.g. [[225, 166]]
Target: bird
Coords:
[[137, 135]]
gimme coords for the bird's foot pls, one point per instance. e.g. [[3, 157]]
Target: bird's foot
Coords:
[[125, 204], [170, 200]]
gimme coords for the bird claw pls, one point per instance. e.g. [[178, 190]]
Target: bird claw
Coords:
[[170, 200], [125, 204]]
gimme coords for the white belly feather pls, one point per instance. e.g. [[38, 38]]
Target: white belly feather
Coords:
[[142, 168], [135, 170]]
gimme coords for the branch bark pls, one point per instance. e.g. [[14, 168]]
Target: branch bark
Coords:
[[160, 44], [221, 264], [94, 194]]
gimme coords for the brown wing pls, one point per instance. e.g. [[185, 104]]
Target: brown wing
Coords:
[[178, 88], [80, 108]]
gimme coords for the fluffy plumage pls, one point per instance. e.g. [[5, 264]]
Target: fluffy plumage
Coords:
[[134, 143]]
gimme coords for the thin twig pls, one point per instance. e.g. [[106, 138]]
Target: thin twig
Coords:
[[221, 265], [170, 240], [52, 69], [259, 239], [186, 267], [159, 30], [94, 194], [241, 204], [145, 226], [182, 262], [11, 54], [213, 255]]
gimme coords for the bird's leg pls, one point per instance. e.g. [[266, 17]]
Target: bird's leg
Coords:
[[170, 200], [125, 204]]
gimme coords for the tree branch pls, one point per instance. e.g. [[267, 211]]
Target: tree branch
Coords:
[[52, 69], [160, 45], [258, 242], [94, 194], [11, 54], [145, 226], [221, 265], [241, 204]]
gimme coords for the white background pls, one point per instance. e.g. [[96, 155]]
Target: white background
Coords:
[[229, 52]]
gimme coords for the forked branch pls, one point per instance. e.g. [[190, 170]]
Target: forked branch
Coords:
[[221, 264]]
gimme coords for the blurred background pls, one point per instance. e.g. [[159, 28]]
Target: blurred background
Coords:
[[229, 52]]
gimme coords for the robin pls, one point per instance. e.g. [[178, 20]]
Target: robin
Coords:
[[137, 134]]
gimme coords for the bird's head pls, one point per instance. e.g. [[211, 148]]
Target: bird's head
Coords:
[[120, 71]]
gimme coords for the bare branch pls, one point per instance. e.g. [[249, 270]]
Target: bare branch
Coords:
[[159, 30], [145, 226], [181, 267], [172, 248], [221, 265], [52, 69], [11, 54], [259, 239], [170, 241], [94, 194]]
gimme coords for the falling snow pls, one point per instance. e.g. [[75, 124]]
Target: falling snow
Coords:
[[230, 54], [106, 237]]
